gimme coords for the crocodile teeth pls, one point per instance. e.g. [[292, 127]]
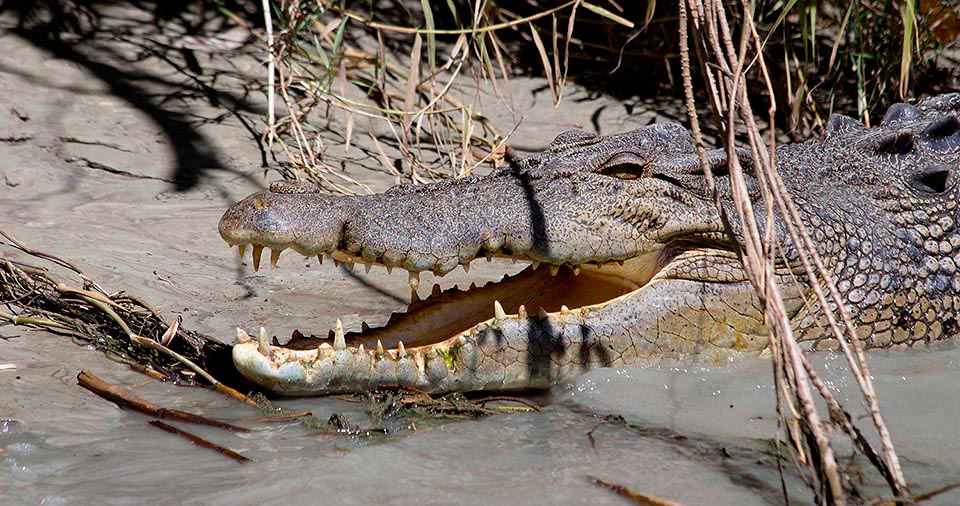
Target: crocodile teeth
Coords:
[[243, 249], [257, 251], [564, 310], [360, 349], [498, 311], [379, 348], [389, 269], [466, 267], [420, 361], [275, 257], [349, 265], [339, 343], [576, 271], [336, 263], [414, 296], [364, 327], [320, 259], [401, 351], [264, 341], [414, 280], [323, 349], [522, 311], [536, 265], [554, 270], [242, 336], [543, 313], [366, 267]]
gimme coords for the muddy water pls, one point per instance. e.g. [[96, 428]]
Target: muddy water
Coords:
[[691, 435]]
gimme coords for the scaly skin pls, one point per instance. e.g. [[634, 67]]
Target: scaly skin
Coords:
[[625, 233]]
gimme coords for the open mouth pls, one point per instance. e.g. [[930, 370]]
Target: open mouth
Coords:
[[441, 319]]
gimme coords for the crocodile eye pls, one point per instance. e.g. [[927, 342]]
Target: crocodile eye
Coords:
[[932, 179], [625, 165]]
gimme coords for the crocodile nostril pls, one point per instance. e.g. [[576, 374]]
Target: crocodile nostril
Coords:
[[895, 143], [943, 127], [932, 179]]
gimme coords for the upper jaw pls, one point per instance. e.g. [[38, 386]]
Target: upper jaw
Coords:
[[585, 219]]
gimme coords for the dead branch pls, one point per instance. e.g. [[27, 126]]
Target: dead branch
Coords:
[[128, 400], [197, 440]]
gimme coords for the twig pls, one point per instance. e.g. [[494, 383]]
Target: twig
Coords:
[[200, 441], [503, 398], [47, 256], [278, 418], [634, 496], [128, 400], [271, 69]]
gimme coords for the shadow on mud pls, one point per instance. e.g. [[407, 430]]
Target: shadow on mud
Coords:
[[87, 34]]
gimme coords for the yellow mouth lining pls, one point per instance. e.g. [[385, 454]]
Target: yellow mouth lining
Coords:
[[445, 315]]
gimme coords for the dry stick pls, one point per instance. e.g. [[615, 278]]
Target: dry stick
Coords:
[[504, 398], [31, 320], [217, 385], [128, 400], [271, 65], [802, 390], [760, 275], [277, 418], [711, 183], [469, 31], [774, 309], [892, 472], [197, 440], [634, 496], [52, 258], [153, 345]]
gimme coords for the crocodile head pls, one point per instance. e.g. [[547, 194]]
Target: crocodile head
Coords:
[[629, 261]]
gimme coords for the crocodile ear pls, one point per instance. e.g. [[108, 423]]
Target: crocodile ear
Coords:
[[839, 124], [899, 113]]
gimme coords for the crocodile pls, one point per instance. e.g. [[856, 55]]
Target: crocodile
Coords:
[[629, 259]]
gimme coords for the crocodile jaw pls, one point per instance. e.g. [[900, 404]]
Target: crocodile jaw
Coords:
[[505, 348], [435, 346]]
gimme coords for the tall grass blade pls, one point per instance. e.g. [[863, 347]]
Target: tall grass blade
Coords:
[[608, 14], [909, 14], [431, 35], [545, 61]]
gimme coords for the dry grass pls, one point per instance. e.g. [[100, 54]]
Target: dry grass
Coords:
[[405, 75], [405, 84], [725, 66]]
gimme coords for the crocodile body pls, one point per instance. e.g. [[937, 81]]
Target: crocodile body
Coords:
[[629, 259]]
